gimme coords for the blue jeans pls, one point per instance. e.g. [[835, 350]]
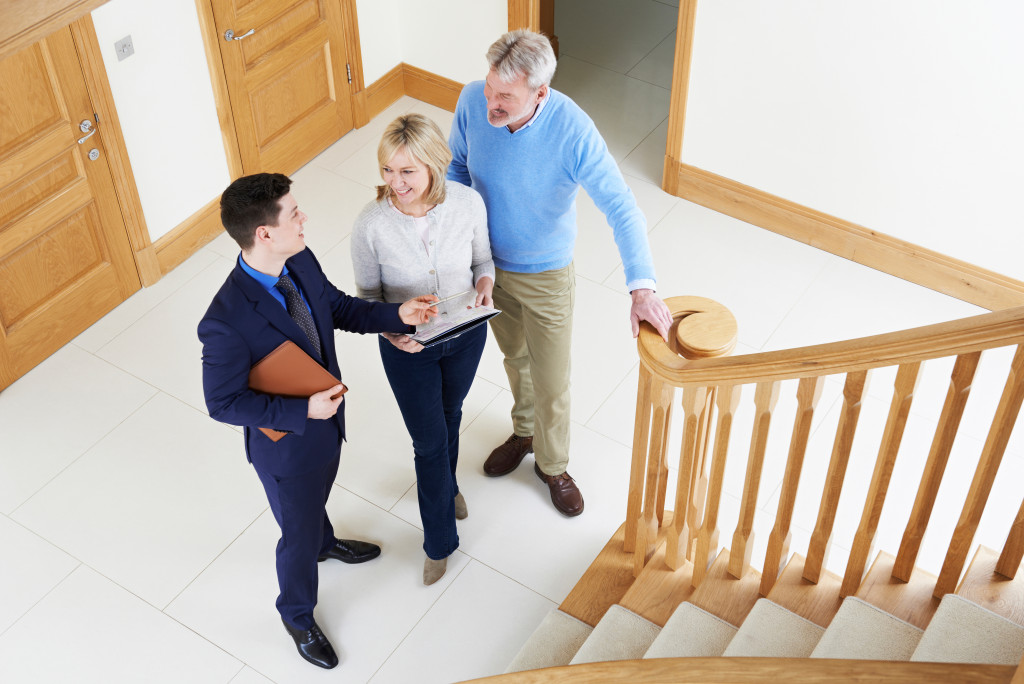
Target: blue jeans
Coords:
[[430, 386]]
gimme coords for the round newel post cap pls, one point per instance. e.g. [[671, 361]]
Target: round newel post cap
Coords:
[[702, 328]]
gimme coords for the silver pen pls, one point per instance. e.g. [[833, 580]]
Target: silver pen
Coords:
[[448, 299]]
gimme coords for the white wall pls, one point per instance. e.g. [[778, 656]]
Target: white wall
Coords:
[[905, 117], [380, 37], [446, 37], [165, 102]]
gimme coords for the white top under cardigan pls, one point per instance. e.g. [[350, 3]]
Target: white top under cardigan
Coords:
[[391, 264]]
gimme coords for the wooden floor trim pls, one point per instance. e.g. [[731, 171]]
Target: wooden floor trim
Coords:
[[204, 225], [430, 88], [185, 240], [380, 95], [882, 252]]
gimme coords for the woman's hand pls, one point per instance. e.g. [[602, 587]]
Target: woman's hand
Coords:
[[403, 342], [484, 287]]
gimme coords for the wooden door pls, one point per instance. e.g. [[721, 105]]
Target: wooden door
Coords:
[[287, 80], [65, 259]]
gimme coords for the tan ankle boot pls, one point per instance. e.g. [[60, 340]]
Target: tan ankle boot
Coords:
[[461, 512], [433, 570]]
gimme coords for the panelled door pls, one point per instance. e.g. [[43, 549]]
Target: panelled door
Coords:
[[65, 259], [284, 63]]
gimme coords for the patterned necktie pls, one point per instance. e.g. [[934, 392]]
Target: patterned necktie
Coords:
[[298, 311]]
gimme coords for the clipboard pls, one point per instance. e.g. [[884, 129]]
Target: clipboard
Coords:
[[290, 372], [463, 322]]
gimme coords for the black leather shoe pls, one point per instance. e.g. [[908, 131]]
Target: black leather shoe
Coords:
[[351, 551], [313, 645]]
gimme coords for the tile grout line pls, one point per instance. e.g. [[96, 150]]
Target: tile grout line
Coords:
[[425, 612], [83, 453]]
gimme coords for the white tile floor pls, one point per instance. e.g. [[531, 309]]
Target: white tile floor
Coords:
[[137, 544]]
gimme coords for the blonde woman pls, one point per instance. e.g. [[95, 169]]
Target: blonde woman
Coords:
[[426, 234]]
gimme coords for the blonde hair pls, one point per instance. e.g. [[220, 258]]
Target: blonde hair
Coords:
[[423, 140]]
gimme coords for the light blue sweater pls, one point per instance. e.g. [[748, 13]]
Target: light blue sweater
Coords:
[[529, 180]]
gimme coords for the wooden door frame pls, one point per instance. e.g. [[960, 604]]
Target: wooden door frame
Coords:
[[215, 62], [83, 31], [31, 23], [528, 14]]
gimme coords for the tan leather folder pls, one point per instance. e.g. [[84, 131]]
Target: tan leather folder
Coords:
[[290, 372]]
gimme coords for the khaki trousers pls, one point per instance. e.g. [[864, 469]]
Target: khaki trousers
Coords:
[[534, 332]]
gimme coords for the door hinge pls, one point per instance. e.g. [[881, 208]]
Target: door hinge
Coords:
[[348, 72]]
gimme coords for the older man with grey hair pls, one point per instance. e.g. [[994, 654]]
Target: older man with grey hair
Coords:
[[527, 149]]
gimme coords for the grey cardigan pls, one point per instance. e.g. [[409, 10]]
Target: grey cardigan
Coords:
[[391, 264]]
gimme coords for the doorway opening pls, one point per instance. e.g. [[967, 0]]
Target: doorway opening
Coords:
[[615, 61]]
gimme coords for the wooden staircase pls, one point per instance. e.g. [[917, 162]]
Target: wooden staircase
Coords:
[[658, 560]]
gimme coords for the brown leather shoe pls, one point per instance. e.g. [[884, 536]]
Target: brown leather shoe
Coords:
[[565, 495], [507, 457]]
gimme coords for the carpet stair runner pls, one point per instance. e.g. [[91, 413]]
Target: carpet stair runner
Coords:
[[553, 643], [960, 631]]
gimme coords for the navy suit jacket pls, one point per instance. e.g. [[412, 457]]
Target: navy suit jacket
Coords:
[[243, 324]]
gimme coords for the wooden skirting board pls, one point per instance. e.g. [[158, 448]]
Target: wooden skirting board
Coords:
[[204, 225], [879, 251], [405, 79], [182, 242]]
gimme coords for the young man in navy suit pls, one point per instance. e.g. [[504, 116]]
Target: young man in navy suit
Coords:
[[277, 292]]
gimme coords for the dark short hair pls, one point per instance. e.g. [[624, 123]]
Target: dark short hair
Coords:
[[251, 202]]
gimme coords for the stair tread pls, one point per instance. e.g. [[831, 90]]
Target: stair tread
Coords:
[[603, 584], [723, 595], [620, 635], [987, 588], [961, 631], [659, 590], [692, 632], [861, 631], [772, 631], [555, 641], [909, 601], [818, 603]]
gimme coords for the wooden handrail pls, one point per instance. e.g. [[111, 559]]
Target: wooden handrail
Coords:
[[951, 338], [693, 361], [758, 671]]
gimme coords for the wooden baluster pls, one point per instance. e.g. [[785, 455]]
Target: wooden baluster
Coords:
[[1013, 549], [808, 393], [864, 539], [981, 485], [678, 543], [638, 468], [821, 538], [707, 538], [949, 422], [765, 397], [661, 421], [699, 482]]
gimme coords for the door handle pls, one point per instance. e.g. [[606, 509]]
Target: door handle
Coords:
[[86, 127], [230, 34]]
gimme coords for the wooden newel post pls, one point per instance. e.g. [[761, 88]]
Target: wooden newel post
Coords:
[[702, 329]]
